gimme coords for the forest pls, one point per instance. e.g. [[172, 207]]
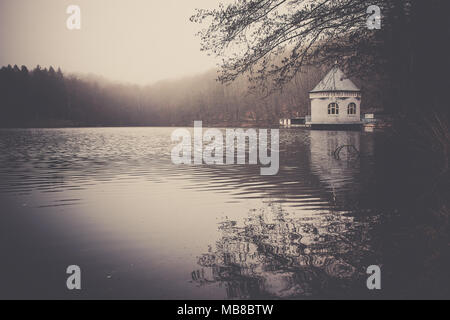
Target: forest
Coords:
[[45, 97]]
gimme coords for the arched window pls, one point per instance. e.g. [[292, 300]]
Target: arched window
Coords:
[[351, 109], [333, 108]]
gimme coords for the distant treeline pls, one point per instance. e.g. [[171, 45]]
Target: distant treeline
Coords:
[[45, 97]]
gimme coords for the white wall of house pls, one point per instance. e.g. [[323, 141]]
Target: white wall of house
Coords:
[[321, 100]]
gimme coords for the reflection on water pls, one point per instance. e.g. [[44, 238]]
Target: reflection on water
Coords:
[[276, 254], [296, 254], [110, 200]]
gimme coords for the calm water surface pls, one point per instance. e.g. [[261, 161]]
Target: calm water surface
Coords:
[[111, 201]]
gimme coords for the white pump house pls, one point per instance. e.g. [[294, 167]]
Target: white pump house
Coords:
[[335, 102]]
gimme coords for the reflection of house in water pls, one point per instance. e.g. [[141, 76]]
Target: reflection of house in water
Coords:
[[335, 158], [317, 247]]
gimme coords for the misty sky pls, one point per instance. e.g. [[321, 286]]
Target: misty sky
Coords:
[[139, 41]]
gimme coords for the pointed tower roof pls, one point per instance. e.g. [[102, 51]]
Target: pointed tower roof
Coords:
[[335, 80]]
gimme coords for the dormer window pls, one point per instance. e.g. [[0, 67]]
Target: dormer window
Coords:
[[333, 108]]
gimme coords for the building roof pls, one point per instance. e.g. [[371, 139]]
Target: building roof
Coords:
[[335, 80]]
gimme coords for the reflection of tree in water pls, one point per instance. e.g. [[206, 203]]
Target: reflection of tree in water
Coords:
[[277, 254]]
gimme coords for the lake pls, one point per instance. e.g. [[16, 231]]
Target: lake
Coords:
[[110, 201]]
